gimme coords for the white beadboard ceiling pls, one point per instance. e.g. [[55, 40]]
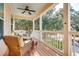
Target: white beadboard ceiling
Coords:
[[34, 6]]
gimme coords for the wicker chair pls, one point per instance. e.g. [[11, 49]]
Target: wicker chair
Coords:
[[15, 48], [13, 44]]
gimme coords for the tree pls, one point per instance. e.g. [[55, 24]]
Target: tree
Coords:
[[74, 20], [23, 25], [53, 20]]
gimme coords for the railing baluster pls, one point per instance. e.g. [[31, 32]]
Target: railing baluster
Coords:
[[56, 41], [53, 39], [59, 41], [73, 44]]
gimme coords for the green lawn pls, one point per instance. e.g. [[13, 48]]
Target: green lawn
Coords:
[[55, 43]]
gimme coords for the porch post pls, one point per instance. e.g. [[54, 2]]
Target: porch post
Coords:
[[7, 19], [67, 40], [33, 25], [40, 27], [13, 24]]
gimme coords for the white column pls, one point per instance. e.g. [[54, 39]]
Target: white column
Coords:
[[67, 41], [40, 27], [7, 19], [33, 25], [13, 24]]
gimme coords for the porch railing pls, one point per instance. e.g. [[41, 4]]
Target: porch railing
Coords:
[[75, 43], [54, 39]]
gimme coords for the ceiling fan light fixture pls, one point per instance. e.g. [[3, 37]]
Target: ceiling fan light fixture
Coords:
[[27, 9]]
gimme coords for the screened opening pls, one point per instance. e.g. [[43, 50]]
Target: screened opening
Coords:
[[53, 19], [53, 25], [74, 17], [23, 27], [74, 22], [37, 24]]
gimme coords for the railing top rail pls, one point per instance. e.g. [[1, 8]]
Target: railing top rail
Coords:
[[44, 31], [74, 33], [55, 32]]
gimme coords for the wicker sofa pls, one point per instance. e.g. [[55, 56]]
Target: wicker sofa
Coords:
[[4, 51], [14, 47]]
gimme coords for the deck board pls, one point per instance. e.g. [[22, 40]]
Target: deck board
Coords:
[[43, 50]]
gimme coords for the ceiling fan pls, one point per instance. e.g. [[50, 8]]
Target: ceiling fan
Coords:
[[27, 9]]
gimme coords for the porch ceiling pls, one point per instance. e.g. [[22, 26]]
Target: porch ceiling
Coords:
[[40, 8]]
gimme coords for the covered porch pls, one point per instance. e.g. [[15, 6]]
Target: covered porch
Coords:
[[49, 42]]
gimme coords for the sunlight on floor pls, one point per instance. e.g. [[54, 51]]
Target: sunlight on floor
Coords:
[[36, 53]]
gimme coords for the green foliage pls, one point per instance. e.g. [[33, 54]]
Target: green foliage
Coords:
[[74, 20], [23, 24], [53, 20], [54, 43]]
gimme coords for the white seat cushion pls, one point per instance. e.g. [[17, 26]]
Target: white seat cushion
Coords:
[[21, 42], [3, 48]]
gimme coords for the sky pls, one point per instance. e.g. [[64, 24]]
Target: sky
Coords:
[[59, 6], [74, 5]]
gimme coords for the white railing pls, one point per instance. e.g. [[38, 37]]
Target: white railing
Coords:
[[75, 43], [36, 34], [54, 39]]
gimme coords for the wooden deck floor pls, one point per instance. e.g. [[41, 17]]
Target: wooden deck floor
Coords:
[[43, 50]]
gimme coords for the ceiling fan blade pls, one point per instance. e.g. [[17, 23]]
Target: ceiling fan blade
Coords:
[[21, 8], [29, 13], [32, 10], [23, 12]]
